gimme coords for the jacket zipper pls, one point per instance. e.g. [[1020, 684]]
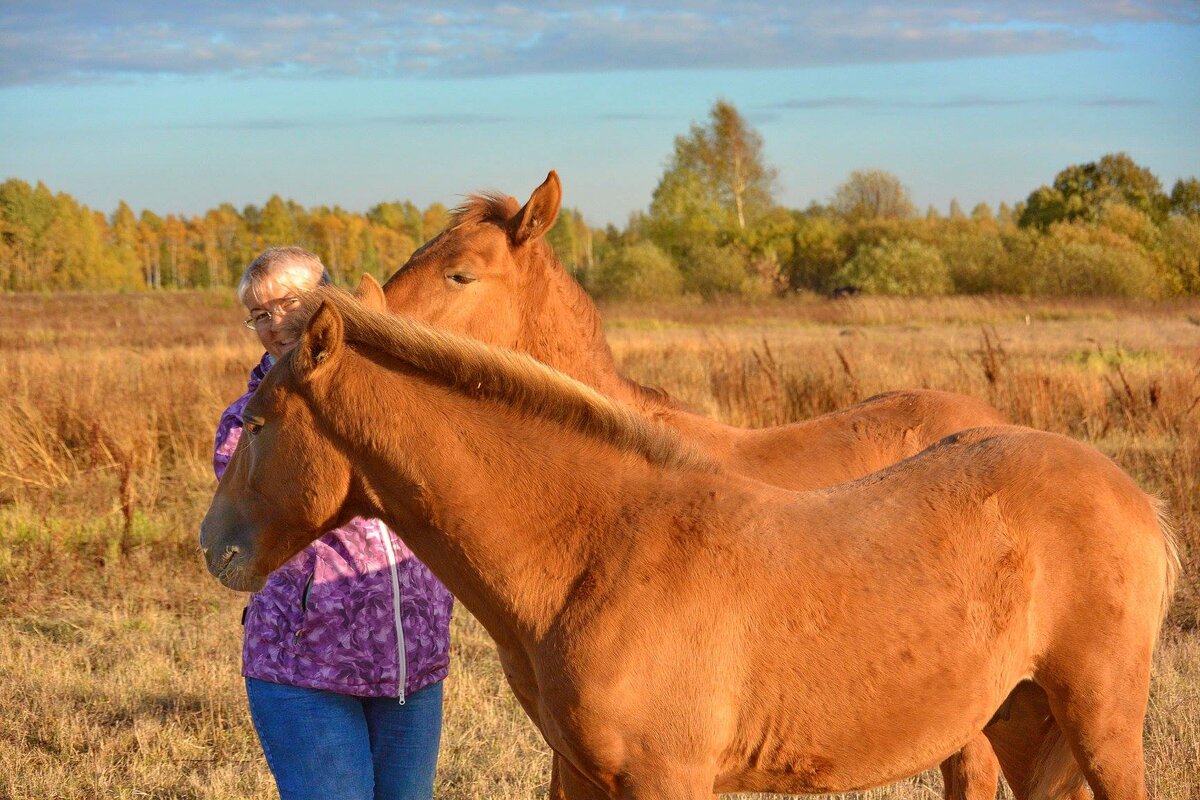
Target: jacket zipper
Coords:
[[303, 604], [402, 665]]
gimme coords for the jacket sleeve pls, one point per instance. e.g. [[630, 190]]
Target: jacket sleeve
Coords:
[[229, 431]]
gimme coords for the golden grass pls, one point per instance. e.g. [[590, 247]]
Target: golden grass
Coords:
[[119, 655]]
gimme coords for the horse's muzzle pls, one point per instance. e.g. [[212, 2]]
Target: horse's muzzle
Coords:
[[227, 557]]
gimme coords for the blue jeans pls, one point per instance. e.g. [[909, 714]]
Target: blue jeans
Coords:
[[329, 746]]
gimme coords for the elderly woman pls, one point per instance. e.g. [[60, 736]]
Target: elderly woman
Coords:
[[346, 645]]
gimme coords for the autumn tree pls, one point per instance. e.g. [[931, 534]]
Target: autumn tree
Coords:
[[982, 213], [1108, 230], [27, 213], [277, 225], [433, 220], [402, 217], [227, 245], [150, 227], [124, 234], [873, 194]]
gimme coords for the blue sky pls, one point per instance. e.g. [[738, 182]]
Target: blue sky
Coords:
[[178, 107]]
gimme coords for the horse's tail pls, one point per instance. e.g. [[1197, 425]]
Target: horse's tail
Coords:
[[1171, 548], [1056, 774]]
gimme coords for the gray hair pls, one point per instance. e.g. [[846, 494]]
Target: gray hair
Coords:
[[275, 258]]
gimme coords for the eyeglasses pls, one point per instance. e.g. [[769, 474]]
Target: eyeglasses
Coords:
[[277, 310]]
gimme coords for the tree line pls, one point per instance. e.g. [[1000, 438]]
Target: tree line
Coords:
[[713, 228], [49, 241]]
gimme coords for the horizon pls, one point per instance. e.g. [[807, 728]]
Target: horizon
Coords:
[[180, 110]]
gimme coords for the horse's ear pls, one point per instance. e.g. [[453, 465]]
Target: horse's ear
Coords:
[[370, 293], [538, 215], [323, 339]]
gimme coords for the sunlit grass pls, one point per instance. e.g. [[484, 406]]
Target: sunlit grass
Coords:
[[119, 656]]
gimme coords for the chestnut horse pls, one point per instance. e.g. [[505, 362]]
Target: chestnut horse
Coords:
[[493, 276], [675, 629]]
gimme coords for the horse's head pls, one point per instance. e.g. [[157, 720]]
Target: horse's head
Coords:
[[479, 275], [288, 481]]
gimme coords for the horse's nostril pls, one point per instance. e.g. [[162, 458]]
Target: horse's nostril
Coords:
[[226, 556]]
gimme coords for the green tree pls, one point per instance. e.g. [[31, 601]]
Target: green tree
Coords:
[[900, 267], [1082, 190], [639, 271], [716, 271], [817, 252], [975, 258], [1185, 197], [571, 239], [873, 194], [716, 185], [1181, 254]]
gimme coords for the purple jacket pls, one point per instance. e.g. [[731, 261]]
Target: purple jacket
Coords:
[[355, 612]]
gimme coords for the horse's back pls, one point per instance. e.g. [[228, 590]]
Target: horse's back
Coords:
[[855, 441]]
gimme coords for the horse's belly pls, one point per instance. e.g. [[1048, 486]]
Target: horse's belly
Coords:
[[854, 758], [868, 723]]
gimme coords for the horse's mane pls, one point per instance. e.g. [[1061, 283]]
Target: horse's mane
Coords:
[[514, 378], [482, 207]]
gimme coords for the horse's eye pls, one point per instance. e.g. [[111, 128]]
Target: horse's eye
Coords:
[[254, 424], [461, 277]]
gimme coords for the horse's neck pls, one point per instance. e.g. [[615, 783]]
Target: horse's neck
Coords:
[[501, 524], [562, 327]]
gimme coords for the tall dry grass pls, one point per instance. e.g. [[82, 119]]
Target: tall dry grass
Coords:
[[119, 656]]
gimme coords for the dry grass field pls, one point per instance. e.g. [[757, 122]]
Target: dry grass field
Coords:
[[119, 655]]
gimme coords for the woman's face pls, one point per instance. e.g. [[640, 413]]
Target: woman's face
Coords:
[[277, 294]]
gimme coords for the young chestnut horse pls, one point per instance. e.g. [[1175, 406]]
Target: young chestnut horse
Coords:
[[492, 276], [674, 629]]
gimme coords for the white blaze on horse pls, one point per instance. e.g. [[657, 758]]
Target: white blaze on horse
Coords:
[[675, 629]]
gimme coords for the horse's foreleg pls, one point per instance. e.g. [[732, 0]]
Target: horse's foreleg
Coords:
[[567, 784], [556, 786], [972, 773]]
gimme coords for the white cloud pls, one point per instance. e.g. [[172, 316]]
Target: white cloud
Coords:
[[48, 41]]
